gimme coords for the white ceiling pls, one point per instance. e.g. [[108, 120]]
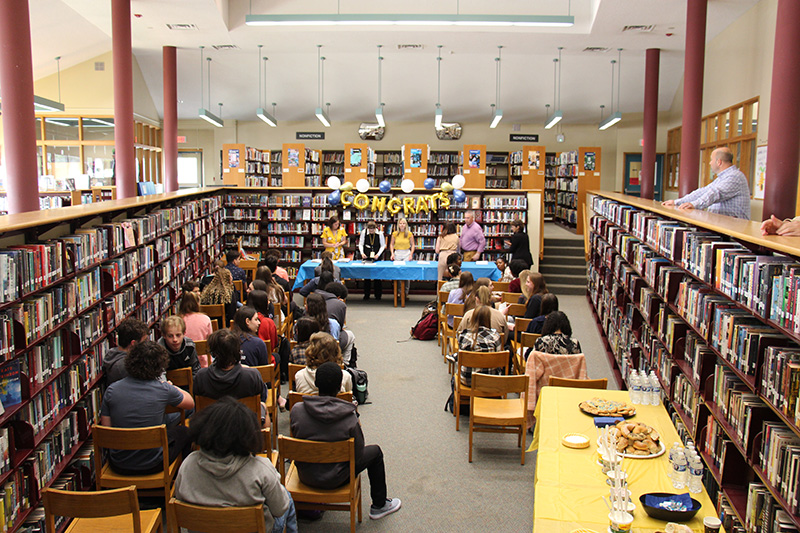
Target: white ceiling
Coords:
[[78, 30]]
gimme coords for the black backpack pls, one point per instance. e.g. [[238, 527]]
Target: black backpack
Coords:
[[360, 382]]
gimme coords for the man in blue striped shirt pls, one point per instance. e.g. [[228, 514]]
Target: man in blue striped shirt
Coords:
[[728, 194]]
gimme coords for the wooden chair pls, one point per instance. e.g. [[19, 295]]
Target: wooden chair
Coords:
[[239, 286], [579, 383], [269, 451], [214, 324], [345, 498], [450, 333], [272, 378], [213, 519], [180, 377], [501, 286], [296, 397], [516, 310], [249, 266], [511, 297], [527, 340], [499, 415], [202, 348], [133, 439], [441, 300], [214, 311], [520, 327], [474, 360], [101, 511], [293, 370], [252, 402], [453, 348]]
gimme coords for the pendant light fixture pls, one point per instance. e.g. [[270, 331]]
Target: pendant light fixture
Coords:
[[262, 96], [437, 119], [204, 113], [321, 115], [557, 115], [45, 105], [498, 111], [614, 117], [379, 109]]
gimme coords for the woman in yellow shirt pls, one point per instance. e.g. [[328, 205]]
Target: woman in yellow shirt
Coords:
[[334, 238], [402, 245]]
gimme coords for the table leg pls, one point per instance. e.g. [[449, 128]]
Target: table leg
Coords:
[[403, 292], [394, 284]]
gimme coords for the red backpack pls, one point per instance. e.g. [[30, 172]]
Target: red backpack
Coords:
[[427, 328]]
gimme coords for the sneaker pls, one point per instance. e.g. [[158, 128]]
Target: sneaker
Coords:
[[391, 506]]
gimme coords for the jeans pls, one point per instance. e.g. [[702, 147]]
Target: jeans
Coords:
[[373, 285], [372, 462], [288, 520]]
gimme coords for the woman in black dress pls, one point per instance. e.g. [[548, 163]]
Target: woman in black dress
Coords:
[[518, 246]]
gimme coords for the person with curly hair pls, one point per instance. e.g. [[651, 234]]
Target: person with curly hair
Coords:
[[138, 401], [227, 472], [321, 348], [221, 291]]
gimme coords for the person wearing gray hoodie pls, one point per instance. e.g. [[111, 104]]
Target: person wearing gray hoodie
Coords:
[[129, 332], [226, 472]]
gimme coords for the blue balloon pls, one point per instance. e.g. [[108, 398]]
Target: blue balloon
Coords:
[[385, 186], [459, 195], [429, 183], [334, 198]]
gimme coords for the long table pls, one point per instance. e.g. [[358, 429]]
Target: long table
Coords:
[[570, 483], [396, 271]]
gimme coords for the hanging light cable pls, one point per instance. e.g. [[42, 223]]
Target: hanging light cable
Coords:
[[204, 112], [615, 116], [437, 120], [321, 115], [262, 96], [557, 115], [498, 111], [379, 109]]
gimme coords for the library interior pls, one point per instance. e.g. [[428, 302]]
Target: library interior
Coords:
[[553, 219]]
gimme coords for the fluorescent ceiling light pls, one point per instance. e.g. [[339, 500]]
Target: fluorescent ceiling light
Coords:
[[498, 116], [379, 117], [437, 121], [610, 121], [323, 117], [554, 119], [375, 19], [45, 105], [210, 117], [101, 122], [266, 117]]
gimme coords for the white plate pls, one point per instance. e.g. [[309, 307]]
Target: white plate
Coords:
[[659, 453]]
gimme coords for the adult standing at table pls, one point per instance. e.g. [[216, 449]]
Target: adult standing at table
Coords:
[[371, 244], [402, 244], [334, 238], [518, 245], [446, 245], [728, 194], [472, 240]]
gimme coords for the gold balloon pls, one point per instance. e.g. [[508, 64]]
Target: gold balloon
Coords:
[[446, 187], [346, 186]]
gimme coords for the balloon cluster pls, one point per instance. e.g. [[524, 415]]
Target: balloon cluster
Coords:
[[385, 186]]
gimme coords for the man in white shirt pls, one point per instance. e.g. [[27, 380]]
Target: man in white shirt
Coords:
[[371, 244]]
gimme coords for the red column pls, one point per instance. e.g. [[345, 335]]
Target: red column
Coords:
[[125, 153], [783, 154], [170, 118], [19, 121], [694, 62], [648, 175]]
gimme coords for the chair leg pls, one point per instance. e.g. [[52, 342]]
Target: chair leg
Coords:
[[352, 517], [470, 437], [523, 433], [457, 411]]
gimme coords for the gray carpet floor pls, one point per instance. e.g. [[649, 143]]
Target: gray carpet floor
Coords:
[[426, 459]]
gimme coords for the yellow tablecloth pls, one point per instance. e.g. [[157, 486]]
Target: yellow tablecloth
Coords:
[[570, 484]]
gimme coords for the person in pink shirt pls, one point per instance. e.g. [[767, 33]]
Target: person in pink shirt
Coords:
[[472, 240], [272, 258], [198, 325]]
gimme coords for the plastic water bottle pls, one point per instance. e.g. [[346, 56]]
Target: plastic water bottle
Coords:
[[679, 471], [696, 476], [673, 453], [636, 388], [647, 388], [655, 394]]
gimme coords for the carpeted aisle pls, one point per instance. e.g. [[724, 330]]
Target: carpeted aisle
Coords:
[[426, 459]]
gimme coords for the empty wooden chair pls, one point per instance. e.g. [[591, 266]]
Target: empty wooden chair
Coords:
[[345, 498], [469, 359], [213, 519], [100, 511], [499, 415], [579, 383]]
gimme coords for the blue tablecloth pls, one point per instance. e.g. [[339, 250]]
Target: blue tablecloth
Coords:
[[411, 270]]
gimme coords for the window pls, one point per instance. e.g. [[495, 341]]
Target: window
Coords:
[[190, 168]]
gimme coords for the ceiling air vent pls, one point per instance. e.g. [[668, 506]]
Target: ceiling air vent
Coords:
[[225, 47], [181, 27], [640, 28], [596, 49], [410, 46]]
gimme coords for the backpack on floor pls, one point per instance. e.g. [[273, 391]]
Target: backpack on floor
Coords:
[[427, 328], [360, 382]]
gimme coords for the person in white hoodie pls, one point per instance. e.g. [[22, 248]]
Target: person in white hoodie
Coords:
[[226, 472]]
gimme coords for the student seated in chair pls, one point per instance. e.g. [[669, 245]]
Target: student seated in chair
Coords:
[[181, 349], [226, 472], [138, 401], [130, 332], [326, 418], [226, 376]]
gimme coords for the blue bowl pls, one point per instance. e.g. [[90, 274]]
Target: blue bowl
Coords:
[[666, 515]]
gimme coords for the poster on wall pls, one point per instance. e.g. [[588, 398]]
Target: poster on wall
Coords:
[[355, 157], [294, 157], [761, 173], [233, 158], [416, 158], [589, 161], [474, 159], [533, 160]]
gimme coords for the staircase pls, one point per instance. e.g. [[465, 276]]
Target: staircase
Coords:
[[564, 266]]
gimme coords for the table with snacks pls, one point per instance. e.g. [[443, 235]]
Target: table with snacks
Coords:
[[570, 483]]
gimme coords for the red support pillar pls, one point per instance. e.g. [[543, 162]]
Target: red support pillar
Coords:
[[649, 133], [125, 152], [170, 118], [19, 120], [694, 63], [783, 154]]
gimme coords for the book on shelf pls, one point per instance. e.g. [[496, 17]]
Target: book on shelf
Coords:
[[10, 384]]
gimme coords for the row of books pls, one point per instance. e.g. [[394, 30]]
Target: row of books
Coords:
[[763, 514], [243, 227], [242, 214], [780, 380], [779, 458], [567, 185], [289, 228]]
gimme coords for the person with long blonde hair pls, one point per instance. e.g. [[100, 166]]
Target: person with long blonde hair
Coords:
[[483, 297], [402, 243], [479, 337], [221, 291]]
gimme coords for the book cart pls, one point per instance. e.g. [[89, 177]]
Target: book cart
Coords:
[[67, 278], [711, 306]]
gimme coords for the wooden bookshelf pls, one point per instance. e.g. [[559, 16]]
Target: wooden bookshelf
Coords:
[[653, 280], [588, 178]]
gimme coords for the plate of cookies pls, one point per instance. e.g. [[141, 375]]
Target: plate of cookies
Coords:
[[637, 441], [601, 407]]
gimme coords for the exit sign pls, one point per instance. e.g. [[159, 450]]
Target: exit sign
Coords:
[[181, 139]]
